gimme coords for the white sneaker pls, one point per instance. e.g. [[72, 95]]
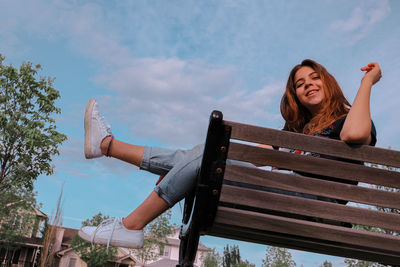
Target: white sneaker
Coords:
[[112, 232], [96, 129]]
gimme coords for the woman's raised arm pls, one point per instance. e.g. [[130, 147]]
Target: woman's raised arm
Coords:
[[357, 126]]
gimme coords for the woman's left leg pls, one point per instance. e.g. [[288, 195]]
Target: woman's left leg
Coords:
[[123, 151]]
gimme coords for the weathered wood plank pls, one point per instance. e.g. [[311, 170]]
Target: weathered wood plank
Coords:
[[304, 229], [320, 145], [309, 164], [306, 185], [305, 244], [308, 207]]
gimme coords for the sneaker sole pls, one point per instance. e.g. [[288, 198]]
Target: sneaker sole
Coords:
[[88, 113], [103, 241]]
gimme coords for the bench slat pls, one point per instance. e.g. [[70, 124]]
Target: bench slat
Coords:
[[264, 222], [309, 164], [297, 242], [301, 243], [353, 193], [308, 207], [315, 144]]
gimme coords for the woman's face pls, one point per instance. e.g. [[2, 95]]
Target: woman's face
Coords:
[[309, 89]]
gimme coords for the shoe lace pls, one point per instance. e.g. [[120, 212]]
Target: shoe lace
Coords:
[[102, 120], [105, 124], [114, 222]]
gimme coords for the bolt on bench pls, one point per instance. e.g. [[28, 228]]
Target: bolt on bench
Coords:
[[236, 202]]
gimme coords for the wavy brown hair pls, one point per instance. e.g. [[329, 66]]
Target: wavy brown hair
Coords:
[[298, 118]]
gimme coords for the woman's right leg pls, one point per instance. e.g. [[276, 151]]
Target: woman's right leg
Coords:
[[156, 160], [181, 168]]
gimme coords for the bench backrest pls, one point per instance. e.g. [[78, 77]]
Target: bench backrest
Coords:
[[259, 205], [248, 210]]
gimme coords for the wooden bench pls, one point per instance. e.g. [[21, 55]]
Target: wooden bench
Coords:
[[236, 202]]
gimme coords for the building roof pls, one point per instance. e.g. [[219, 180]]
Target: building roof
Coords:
[[68, 235], [176, 242], [64, 251], [173, 239], [165, 262], [40, 213], [32, 241], [126, 257]]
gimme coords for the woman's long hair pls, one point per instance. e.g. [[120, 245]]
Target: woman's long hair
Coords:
[[298, 118]]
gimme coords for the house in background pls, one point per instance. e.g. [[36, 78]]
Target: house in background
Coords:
[[169, 256], [28, 254], [67, 257]]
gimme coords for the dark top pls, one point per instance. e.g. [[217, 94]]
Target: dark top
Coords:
[[333, 132]]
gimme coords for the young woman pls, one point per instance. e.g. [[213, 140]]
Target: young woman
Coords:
[[313, 103]]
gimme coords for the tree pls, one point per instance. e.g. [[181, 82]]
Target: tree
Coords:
[[94, 255], [278, 257], [245, 263], [326, 264], [360, 263], [28, 136], [28, 140], [155, 239], [232, 258], [211, 258]]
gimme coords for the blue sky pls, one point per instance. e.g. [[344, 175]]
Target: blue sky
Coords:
[[158, 68]]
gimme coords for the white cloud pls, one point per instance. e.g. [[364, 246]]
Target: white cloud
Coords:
[[361, 22], [163, 99], [170, 99]]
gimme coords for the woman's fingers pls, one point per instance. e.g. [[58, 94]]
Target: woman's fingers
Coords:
[[373, 72], [370, 66]]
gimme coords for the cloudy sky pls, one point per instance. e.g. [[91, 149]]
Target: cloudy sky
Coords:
[[158, 68]]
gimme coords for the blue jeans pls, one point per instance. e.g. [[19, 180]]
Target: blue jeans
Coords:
[[181, 168]]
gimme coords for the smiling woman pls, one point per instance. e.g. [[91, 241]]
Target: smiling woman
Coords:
[[303, 111], [313, 100], [313, 103], [309, 89]]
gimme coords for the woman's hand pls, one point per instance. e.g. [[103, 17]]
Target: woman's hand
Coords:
[[373, 73]]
